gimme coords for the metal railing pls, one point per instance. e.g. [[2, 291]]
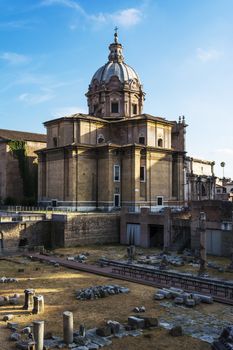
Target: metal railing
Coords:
[[16, 209]]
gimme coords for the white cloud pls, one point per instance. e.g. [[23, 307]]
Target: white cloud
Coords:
[[208, 55], [34, 99], [14, 58], [67, 3], [125, 18], [128, 17], [64, 111]]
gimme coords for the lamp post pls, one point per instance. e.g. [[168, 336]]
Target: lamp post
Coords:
[[223, 165]]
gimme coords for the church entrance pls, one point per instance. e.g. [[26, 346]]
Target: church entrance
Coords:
[[156, 236]]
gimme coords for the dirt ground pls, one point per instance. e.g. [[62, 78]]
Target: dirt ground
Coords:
[[58, 285]]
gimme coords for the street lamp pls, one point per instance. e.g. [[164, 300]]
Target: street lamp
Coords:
[[223, 165]]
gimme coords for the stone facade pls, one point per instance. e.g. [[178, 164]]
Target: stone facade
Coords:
[[110, 159], [224, 189], [176, 229], [165, 230], [13, 188], [200, 179]]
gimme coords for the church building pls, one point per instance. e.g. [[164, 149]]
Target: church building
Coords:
[[116, 155]]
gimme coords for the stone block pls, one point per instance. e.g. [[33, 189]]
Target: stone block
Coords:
[[179, 300], [150, 321], [159, 296], [8, 317], [176, 331], [115, 326], [93, 346], [204, 298], [190, 302], [15, 336], [12, 325], [105, 331], [136, 322], [167, 294]]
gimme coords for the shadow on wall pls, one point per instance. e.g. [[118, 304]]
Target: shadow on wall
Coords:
[[15, 235]]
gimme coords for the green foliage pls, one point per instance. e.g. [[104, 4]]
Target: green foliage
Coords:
[[29, 177]]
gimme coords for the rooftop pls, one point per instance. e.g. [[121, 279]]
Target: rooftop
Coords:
[[21, 136]]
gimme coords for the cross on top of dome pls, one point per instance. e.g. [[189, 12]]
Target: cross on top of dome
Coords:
[[116, 35], [115, 49]]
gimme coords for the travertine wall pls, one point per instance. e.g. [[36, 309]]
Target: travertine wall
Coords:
[[81, 174]]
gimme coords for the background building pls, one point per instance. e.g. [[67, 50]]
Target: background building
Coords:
[[200, 179], [18, 166]]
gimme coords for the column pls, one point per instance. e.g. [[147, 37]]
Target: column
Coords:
[[202, 229], [38, 332], [68, 327], [28, 298], [38, 304]]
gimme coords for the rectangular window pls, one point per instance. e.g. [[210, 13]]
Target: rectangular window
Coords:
[[54, 203], [114, 107], [135, 109], [116, 200], [117, 173], [159, 200], [142, 173], [142, 140], [54, 141]]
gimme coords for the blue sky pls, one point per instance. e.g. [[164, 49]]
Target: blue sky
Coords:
[[181, 49]]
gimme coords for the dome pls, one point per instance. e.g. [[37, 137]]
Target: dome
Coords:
[[124, 72], [115, 98]]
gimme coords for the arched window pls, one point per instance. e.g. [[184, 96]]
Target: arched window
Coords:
[[160, 142]]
